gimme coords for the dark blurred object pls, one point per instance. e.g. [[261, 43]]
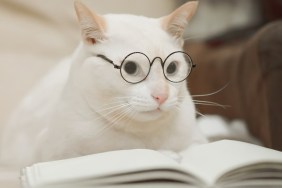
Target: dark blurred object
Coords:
[[252, 70], [272, 10]]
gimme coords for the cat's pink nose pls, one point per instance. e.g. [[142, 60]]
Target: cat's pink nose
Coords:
[[160, 98]]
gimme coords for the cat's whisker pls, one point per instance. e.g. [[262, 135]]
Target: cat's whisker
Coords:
[[112, 103], [117, 117], [137, 103], [209, 103], [102, 130], [199, 113], [126, 113], [93, 111], [204, 104], [126, 97], [116, 109], [120, 113], [130, 115], [178, 107], [112, 107], [108, 113], [213, 93], [140, 101], [172, 104], [181, 98]]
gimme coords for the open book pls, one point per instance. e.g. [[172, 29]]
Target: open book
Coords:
[[219, 164]]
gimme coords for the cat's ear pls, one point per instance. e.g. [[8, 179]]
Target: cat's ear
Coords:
[[92, 25], [176, 22]]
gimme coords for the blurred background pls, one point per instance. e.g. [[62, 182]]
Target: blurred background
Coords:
[[37, 34]]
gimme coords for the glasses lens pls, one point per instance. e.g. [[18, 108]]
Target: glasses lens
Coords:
[[177, 67], [135, 67]]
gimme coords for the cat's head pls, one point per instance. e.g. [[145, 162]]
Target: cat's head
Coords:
[[123, 92]]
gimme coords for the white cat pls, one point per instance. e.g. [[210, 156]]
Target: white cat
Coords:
[[93, 103]]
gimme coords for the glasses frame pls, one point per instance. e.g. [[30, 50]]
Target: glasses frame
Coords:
[[191, 64]]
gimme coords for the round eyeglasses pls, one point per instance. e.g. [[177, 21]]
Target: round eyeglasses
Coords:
[[136, 66]]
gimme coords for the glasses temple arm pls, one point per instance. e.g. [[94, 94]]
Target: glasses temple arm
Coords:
[[108, 60]]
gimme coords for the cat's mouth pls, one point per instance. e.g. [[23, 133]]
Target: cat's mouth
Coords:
[[154, 111]]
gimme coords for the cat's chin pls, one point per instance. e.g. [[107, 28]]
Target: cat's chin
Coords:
[[154, 113], [145, 116]]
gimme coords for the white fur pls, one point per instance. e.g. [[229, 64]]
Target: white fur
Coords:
[[217, 128], [71, 112]]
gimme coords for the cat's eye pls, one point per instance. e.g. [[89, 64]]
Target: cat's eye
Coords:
[[177, 66], [135, 67], [172, 67], [131, 67]]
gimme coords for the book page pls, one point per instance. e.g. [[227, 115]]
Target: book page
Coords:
[[212, 160], [96, 166]]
